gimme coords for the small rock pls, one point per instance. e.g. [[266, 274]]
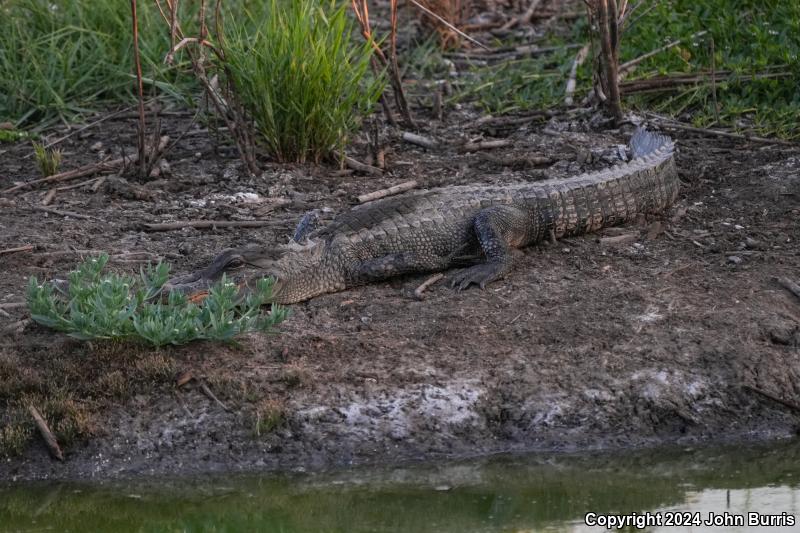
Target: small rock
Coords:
[[753, 244], [734, 259], [96, 147]]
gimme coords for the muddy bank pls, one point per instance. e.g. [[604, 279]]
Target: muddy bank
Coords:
[[593, 342]]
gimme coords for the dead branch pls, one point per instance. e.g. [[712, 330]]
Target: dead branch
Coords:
[[573, 74], [619, 240], [12, 305], [49, 196], [523, 18], [419, 140], [142, 160], [609, 57], [628, 65], [425, 284], [391, 191], [116, 114], [62, 213], [786, 403], [361, 11], [789, 285], [16, 326], [671, 124], [201, 224], [486, 145], [212, 396], [47, 435], [25, 248], [517, 161], [667, 83], [361, 167], [86, 170]]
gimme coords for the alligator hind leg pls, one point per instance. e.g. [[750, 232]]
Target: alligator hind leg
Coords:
[[498, 229]]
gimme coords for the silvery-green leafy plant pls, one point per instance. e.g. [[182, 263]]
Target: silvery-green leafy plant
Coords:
[[116, 306]]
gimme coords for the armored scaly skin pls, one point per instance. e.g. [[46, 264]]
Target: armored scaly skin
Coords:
[[437, 229]]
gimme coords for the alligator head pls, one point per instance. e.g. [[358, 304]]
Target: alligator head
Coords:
[[300, 271]]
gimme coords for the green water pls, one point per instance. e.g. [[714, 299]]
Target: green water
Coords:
[[500, 494]]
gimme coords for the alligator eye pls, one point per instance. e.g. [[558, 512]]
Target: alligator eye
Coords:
[[235, 262]]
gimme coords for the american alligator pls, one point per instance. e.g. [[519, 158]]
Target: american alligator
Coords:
[[436, 229]]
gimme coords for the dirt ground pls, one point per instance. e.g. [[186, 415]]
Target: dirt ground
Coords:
[[660, 332], [587, 345]]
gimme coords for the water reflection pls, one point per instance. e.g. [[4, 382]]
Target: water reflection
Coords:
[[502, 494]]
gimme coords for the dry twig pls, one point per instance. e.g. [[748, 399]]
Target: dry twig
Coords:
[[789, 285], [362, 167], [25, 248], [523, 18], [391, 191], [211, 395], [419, 140], [86, 170], [47, 435], [200, 224], [425, 284], [573, 74]]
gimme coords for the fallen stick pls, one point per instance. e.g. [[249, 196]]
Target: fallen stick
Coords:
[[718, 133], [72, 174], [572, 82], [786, 403], [619, 239], [517, 161], [525, 17], [419, 140], [77, 185], [789, 285], [391, 191], [211, 395], [425, 284], [25, 248], [485, 145], [668, 83], [47, 435], [83, 128], [16, 326], [628, 65], [200, 224], [61, 213], [86, 170], [362, 167], [49, 196]]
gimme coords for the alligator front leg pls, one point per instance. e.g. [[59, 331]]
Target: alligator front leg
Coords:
[[498, 229]]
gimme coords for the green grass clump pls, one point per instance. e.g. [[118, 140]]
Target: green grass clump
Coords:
[[113, 306], [48, 160], [750, 37], [61, 59], [301, 75]]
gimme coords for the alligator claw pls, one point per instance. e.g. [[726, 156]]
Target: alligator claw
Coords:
[[479, 275]]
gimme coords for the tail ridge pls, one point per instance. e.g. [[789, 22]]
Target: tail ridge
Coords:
[[645, 142]]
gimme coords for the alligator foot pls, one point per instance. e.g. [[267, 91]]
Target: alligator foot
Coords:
[[479, 275]]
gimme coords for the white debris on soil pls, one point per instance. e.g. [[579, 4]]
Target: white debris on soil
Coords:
[[236, 198]]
